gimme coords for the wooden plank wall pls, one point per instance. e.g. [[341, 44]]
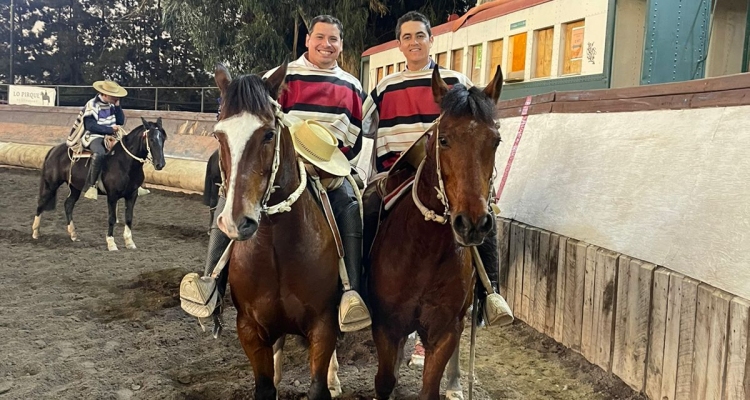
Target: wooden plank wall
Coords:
[[664, 334]]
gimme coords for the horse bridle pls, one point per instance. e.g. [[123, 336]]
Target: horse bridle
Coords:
[[149, 157], [431, 215], [286, 205]]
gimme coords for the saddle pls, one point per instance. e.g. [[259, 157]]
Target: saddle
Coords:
[[77, 151], [394, 183]]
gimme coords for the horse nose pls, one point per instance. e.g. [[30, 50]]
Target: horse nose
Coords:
[[246, 227], [159, 165], [485, 224], [461, 224], [472, 233]]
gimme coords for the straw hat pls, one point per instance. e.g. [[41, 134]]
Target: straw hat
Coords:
[[110, 88], [319, 146]]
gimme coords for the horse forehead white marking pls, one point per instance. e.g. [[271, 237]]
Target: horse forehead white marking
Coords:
[[238, 130], [472, 124]]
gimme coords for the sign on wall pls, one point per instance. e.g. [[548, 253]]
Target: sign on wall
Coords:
[[31, 95]]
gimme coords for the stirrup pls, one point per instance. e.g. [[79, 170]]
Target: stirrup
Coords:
[[496, 311], [92, 193], [353, 314]]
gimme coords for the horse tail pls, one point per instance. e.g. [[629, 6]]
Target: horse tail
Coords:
[[210, 189], [47, 193]]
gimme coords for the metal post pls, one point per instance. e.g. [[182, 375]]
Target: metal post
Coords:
[[156, 100], [57, 96], [202, 97], [12, 17]]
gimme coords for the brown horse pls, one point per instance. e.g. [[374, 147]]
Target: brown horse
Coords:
[[421, 276], [283, 268]]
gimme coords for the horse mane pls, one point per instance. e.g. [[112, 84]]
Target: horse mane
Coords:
[[247, 93], [473, 102]]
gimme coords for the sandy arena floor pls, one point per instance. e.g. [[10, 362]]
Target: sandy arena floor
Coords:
[[79, 322]]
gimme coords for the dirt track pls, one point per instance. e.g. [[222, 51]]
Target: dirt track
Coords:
[[79, 322]]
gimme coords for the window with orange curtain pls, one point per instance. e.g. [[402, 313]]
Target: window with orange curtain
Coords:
[[389, 69], [573, 50], [379, 74], [401, 66], [543, 52], [457, 60], [442, 59], [517, 57], [496, 58]]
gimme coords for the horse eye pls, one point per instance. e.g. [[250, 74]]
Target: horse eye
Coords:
[[443, 141], [497, 142], [268, 136]]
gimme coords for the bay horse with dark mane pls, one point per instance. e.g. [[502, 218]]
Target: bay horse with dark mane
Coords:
[[122, 175], [283, 267], [421, 276]]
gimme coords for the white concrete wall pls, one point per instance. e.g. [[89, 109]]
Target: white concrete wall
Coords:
[[669, 187], [554, 13]]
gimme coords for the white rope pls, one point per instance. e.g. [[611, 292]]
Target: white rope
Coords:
[[430, 215], [148, 157], [285, 205]]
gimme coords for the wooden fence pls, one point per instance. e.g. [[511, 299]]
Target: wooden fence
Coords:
[[662, 333]]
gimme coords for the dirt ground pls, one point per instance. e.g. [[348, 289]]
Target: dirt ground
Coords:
[[79, 322]]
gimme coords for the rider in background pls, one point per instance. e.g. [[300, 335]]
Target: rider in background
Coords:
[[319, 90], [101, 118], [400, 110]]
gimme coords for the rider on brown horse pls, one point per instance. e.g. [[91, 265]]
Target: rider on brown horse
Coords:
[[318, 90], [396, 131]]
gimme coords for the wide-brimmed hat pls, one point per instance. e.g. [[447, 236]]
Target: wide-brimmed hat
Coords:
[[316, 144], [110, 88]]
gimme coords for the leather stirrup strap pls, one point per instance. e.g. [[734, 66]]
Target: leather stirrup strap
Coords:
[[327, 210]]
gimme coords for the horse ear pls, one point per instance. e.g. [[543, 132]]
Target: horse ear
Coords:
[[494, 88], [276, 80], [439, 88], [222, 78], [158, 122], [145, 124]]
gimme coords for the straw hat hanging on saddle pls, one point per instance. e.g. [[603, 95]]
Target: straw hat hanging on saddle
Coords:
[[316, 144], [110, 88]]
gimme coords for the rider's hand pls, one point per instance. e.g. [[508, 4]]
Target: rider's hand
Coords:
[[115, 128]]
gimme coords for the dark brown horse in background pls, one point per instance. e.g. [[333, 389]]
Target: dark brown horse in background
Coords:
[[121, 176], [421, 276], [283, 268]]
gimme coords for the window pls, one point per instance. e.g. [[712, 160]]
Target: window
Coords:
[[442, 60], [457, 60], [379, 75], [389, 69], [401, 66], [517, 57], [573, 50], [475, 63], [495, 57], [543, 56]]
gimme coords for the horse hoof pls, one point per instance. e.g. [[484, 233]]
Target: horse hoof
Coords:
[[35, 235], [130, 246], [75, 239], [335, 392], [111, 246], [454, 395]]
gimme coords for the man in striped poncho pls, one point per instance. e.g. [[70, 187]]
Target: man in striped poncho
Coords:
[[399, 110], [319, 90]]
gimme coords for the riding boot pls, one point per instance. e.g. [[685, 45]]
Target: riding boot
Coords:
[[97, 160], [353, 313], [217, 243], [493, 307]]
